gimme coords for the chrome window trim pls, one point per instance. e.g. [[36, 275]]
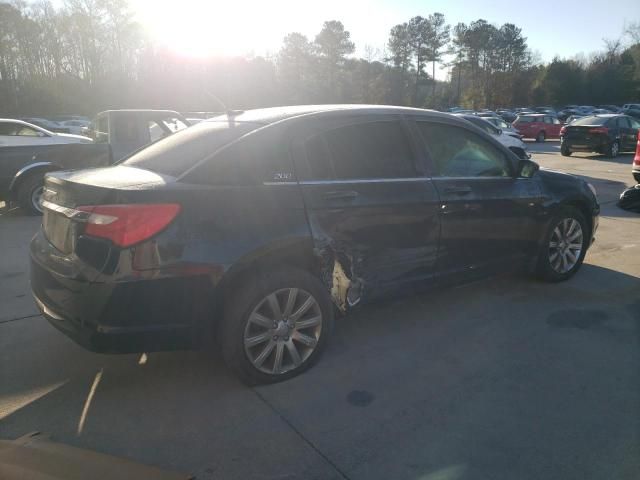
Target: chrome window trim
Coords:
[[381, 180], [364, 180]]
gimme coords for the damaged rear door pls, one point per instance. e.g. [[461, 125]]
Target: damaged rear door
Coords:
[[373, 213]]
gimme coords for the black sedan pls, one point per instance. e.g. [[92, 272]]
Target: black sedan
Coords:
[[607, 134], [253, 228]]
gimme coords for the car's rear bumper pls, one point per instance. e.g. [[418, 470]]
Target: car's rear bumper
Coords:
[[118, 317], [579, 145]]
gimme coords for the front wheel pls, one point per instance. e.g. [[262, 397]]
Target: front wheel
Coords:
[[564, 151], [564, 246], [275, 325], [541, 137]]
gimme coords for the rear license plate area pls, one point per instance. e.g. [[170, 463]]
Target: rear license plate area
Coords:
[[59, 230]]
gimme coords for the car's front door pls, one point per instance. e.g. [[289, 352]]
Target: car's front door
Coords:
[[373, 214], [626, 133], [488, 215]]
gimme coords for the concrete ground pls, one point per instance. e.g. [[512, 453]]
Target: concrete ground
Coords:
[[502, 379]]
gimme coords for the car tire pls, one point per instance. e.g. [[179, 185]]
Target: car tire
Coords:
[[541, 137], [560, 239], [29, 193], [564, 151], [613, 150], [253, 336], [636, 176]]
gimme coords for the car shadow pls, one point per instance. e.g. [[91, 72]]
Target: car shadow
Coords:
[[622, 159]]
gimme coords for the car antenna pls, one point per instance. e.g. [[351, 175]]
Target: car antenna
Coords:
[[227, 111]]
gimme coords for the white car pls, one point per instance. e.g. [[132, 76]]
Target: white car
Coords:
[[513, 143], [502, 125], [16, 133], [77, 127]]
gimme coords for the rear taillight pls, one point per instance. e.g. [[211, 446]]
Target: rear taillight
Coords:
[[126, 225], [563, 130], [604, 130], [636, 159]]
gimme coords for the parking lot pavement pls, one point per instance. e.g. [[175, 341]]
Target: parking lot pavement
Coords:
[[502, 379]]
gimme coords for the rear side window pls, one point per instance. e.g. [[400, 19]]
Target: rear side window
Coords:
[[259, 158], [457, 152], [177, 153], [525, 119], [373, 150]]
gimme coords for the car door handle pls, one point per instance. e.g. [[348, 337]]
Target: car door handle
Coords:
[[463, 190], [341, 195]]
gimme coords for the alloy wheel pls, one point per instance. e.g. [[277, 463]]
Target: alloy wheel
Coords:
[[282, 331], [615, 149], [565, 246]]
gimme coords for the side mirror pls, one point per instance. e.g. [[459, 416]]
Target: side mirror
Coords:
[[527, 168]]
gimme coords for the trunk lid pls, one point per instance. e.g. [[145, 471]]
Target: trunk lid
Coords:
[[581, 132], [62, 223]]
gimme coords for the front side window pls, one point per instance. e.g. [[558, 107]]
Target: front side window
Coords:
[[623, 122], [9, 129], [374, 150], [102, 129], [457, 152]]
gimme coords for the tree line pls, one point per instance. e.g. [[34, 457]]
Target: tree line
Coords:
[[88, 55]]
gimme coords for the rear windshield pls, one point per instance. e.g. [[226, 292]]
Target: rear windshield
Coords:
[[177, 153], [591, 121]]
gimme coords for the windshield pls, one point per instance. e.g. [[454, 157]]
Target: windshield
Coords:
[[177, 153]]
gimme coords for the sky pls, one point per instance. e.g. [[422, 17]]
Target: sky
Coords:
[[238, 27]]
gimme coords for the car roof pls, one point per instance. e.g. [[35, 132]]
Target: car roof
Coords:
[[276, 114]]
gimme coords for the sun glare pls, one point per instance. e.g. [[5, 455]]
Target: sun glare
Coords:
[[208, 28], [201, 28]]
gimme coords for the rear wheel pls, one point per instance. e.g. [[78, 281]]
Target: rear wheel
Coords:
[[564, 151], [30, 194], [613, 149], [275, 326], [541, 137], [636, 176], [564, 246]]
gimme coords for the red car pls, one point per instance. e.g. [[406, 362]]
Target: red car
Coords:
[[538, 126]]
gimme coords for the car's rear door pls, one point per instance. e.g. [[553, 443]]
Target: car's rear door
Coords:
[[488, 215], [371, 209]]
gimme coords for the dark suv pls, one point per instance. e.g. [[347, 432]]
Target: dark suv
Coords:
[[254, 227], [608, 134]]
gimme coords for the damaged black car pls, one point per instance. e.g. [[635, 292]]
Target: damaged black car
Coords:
[[255, 229]]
